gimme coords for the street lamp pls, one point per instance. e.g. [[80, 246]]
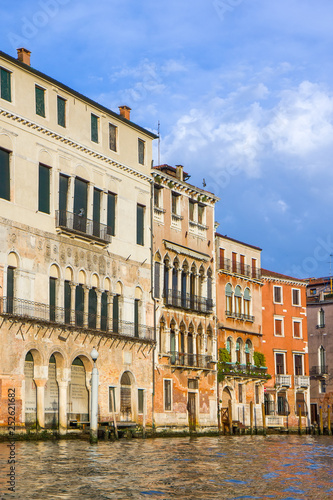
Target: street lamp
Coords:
[[94, 398]]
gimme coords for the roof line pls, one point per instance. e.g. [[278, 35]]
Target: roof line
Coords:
[[237, 241]]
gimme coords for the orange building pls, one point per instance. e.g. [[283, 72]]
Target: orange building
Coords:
[[285, 346], [184, 294], [239, 319]]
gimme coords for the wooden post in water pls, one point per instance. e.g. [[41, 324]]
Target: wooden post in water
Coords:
[[321, 423], [230, 416], [329, 419], [251, 417], [299, 419], [263, 417], [114, 414], [144, 414]]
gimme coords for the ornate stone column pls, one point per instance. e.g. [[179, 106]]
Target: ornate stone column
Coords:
[[63, 389]]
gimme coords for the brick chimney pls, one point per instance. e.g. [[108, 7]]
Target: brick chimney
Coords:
[[125, 111], [180, 172], [23, 55]]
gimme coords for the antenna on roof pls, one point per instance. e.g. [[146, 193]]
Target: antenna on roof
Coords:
[[331, 255], [159, 143]]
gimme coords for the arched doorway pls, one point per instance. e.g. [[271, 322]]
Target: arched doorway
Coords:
[[30, 391], [125, 397], [226, 418], [78, 393], [51, 397]]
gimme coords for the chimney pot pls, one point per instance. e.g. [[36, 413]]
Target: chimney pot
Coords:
[[180, 172], [23, 55], [125, 112]]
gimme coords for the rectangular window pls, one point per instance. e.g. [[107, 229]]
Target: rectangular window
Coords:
[[104, 311], [157, 280], [53, 284], [63, 199], [111, 214], [221, 264], [191, 206], [5, 85], [298, 359], [201, 213], [279, 363], [112, 137], [10, 289], [140, 211], [157, 196], [255, 273], [136, 317], [96, 212], [4, 175], [242, 264], [112, 399], [94, 128], [80, 205], [67, 302], [278, 327], [277, 294], [192, 383], [297, 329], [140, 400], [240, 393], [141, 151], [234, 262], [167, 395], [40, 101], [79, 305], [44, 189], [115, 314], [61, 111], [296, 297]]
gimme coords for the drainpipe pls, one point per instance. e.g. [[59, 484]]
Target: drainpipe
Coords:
[[152, 291]]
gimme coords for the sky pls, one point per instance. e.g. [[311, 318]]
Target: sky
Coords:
[[243, 92]]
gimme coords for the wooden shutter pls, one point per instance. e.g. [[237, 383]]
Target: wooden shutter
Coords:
[[67, 302], [44, 189], [53, 283], [221, 258], [94, 128], [113, 137], [79, 305], [6, 85], [104, 311], [4, 175], [157, 281], [10, 289], [40, 101], [278, 326], [61, 108], [297, 331], [111, 215], [140, 225], [234, 264], [115, 314], [92, 308]]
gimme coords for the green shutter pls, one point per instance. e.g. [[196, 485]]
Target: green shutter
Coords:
[[113, 137], [104, 311], [94, 128], [115, 314], [67, 302], [63, 192], [141, 151], [79, 305], [10, 289], [139, 224], [44, 189], [4, 175], [6, 85], [53, 299], [92, 308], [136, 317], [80, 196], [40, 101], [96, 212], [61, 107], [111, 215]]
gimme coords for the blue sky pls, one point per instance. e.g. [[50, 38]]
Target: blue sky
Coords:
[[243, 90]]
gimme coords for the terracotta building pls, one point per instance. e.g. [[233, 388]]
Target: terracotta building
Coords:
[[320, 331], [75, 256], [239, 322], [285, 346], [184, 292]]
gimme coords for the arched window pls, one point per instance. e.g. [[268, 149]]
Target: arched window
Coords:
[[11, 285], [125, 396], [166, 279], [175, 282], [248, 352], [247, 303], [228, 300], [157, 266], [92, 308], [209, 290], [321, 318], [239, 345], [192, 287], [238, 301], [322, 360], [183, 285]]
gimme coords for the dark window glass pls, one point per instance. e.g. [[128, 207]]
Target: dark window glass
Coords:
[[44, 189], [113, 137], [67, 302], [140, 224], [136, 317], [10, 289], [92, 308], [6, 92], [94, 128], [111, 215], [104, 311], [63, 197], [166, 281], [141, 151], [157, 280], [115, 314], [240, 393], [80, 205], [167, 395], [40, 101], [61, 109], [140, 400], [96, 212], [183, 288], [79, 305], [4, 175], [53, 285]]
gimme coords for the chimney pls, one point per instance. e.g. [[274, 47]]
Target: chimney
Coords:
[[23, 55], [125, 112], [179, 172]]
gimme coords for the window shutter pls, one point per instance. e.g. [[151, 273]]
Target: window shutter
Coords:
[[44, 189], [40, 101], [111, 215], [94, 128], [115, 314], [53, 284], [4, 175], [140, 225], [113, 137], [67, 302], [157, 281], [6, 85], [104, 311], [61, 108]]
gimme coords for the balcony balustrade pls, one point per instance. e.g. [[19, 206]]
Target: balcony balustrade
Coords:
[[241, 316], [240, 268], [301, 381], [283, 380], [319, 371], [77, 224], [190, 360], [243, 370], [188, 301], [59, 316]]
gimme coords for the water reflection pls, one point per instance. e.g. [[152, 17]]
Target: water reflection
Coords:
[[185, 468]]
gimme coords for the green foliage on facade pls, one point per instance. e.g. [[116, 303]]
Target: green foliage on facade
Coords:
[[259, 359]]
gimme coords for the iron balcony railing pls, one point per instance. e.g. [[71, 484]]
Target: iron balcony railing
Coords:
[[239, 268], [26, 309], [187, 301], [77, 224], [188, 359], [246, 317], [318, 371], [243, 370]]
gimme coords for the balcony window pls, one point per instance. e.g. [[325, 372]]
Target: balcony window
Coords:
[[4, 175], [96, 212], [298, 363], [115, 314], [279, 363], [79, 305], [228, 299], [63, 198], [10, 289], [247, 303], [157, 267], [52, 298], [92, 308], [111, 214], [238, 301], [67, 302], [104, 311]]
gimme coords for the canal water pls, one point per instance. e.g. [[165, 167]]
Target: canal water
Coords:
[[232, 467]]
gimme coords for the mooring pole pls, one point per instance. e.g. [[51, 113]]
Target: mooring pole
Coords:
[[251, 417], [329, 419], [230, 416], [321, 423], [94, 399], [299, 419], [263, 417]]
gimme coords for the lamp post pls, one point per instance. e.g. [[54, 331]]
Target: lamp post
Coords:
[[94, 399]]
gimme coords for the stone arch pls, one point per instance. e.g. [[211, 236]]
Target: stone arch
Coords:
[[54, 271], [69, 274], [157, 256], [45, 158], [13, 259], [6, 142], [30, 389], [107, 284], [95, 280], [126, 404], [78, 393], [51, 392], [119, 288], [82, 277]]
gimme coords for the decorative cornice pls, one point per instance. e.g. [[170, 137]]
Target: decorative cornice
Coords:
[[179, 249]]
